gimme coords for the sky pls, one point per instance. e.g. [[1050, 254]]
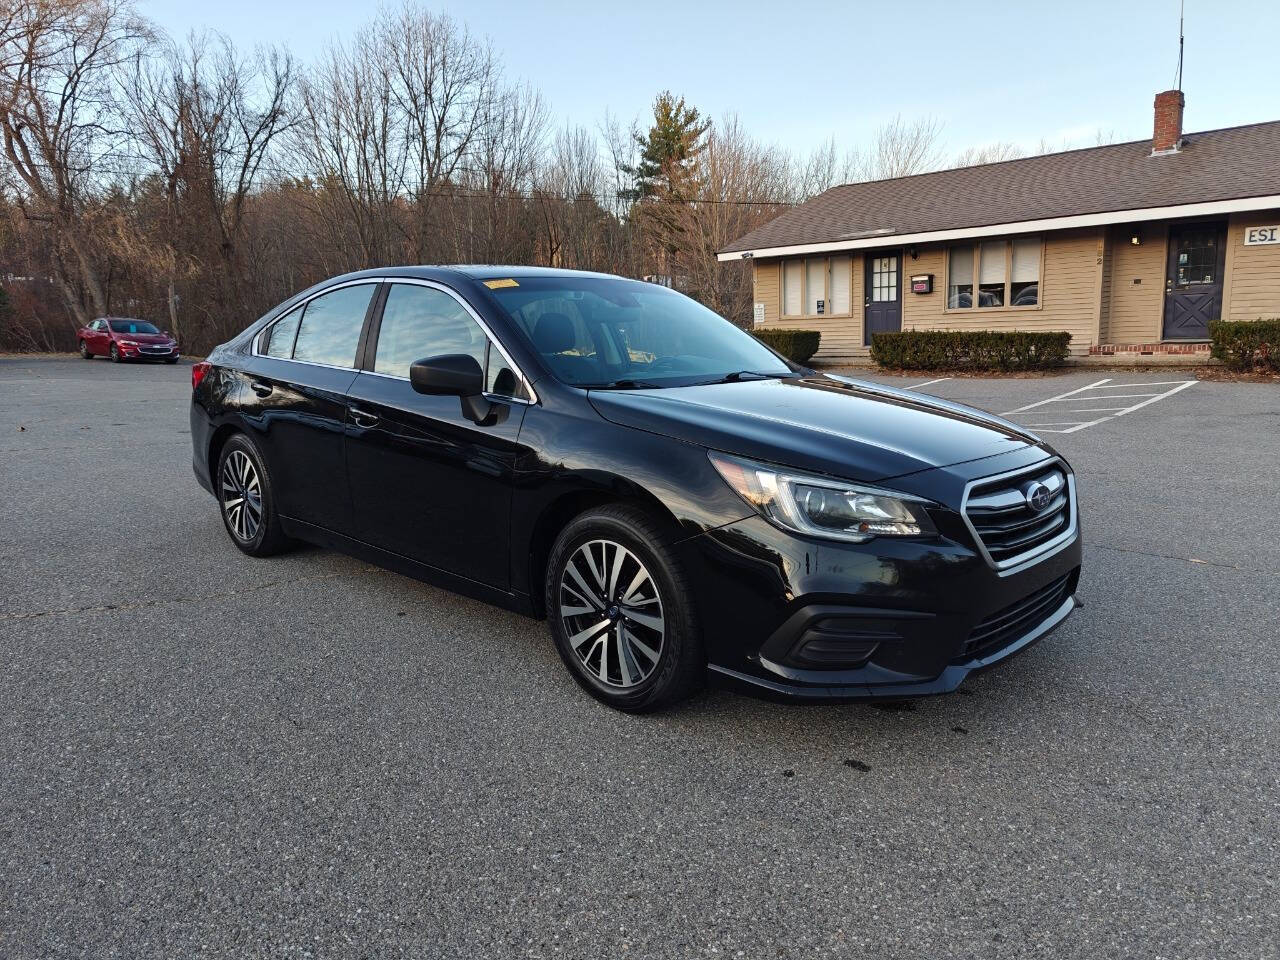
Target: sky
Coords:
[[798, 74]]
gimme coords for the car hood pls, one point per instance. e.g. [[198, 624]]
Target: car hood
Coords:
[[837, 426], [147, 338]]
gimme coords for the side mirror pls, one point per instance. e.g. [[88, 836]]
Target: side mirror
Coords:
[[451, 375], [457, 375]]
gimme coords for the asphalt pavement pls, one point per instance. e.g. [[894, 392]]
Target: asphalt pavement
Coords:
[[202, 754]]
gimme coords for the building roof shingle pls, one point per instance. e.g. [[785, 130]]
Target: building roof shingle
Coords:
[[1214, 165]]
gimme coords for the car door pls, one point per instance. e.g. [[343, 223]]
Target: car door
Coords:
[[98, 338], [427, 482], [295, 395]]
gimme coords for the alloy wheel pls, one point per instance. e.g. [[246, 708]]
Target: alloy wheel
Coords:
[[241, 495], [612, 613]]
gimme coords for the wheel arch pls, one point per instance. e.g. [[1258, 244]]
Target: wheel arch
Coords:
[[597, 490], [217, 440]]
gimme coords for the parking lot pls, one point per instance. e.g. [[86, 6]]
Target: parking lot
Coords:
[[201, 753]]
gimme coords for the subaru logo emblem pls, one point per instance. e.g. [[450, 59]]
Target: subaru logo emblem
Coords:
[[1038, 496]]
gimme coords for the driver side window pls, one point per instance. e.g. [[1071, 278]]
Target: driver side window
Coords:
[[419, 322]]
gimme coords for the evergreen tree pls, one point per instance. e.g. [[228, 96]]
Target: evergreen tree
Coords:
[[667, 168]]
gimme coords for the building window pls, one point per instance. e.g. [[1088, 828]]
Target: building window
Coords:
[[817, 286], [839, 284], [1007, 274], [884, 279]]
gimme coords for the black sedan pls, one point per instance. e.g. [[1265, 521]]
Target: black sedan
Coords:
[[678, 501]]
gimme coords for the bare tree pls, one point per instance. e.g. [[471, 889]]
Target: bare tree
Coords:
[[988, 153], [61, 125], [207, 119], [902, 148]]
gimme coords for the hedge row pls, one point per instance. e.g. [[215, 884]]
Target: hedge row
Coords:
[[1247, 344], [969, 350], [796, 345]]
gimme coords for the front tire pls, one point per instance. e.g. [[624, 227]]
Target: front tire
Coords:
[[84, 351], [246, 499], [621, 611], [114, 354]]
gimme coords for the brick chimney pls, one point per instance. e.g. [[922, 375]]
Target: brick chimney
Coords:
[[1168, 130]]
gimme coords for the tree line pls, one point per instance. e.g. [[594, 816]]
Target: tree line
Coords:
[[190, 183]]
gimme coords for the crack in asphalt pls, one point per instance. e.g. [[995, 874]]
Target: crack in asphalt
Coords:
[[163, 601], [1164, 556]]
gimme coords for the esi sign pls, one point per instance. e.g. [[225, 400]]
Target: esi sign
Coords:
[[1254, 236]]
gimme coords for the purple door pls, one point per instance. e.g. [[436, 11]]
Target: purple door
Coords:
[[882, 307], [1193, 285]]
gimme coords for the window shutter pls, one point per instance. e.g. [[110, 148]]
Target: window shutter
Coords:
[[841, 279], [815, 270], [792, 288]]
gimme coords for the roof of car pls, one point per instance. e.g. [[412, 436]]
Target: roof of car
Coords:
[[1214, 165], [473, 271]]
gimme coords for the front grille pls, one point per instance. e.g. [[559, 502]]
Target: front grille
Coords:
[[1017, 620], [1009, 527]]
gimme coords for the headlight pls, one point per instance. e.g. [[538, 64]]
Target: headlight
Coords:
[[128, 343], [822, 507]]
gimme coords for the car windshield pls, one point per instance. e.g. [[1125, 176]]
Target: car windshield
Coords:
[[620, 334], [133, 326]]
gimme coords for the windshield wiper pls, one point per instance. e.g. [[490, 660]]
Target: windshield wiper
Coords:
[[739, 375], [624, 384]]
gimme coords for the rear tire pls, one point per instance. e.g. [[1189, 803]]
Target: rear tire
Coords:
[[247, 500], [84, 351], [621, 611]]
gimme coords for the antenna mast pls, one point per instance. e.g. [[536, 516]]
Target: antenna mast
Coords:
[[1182, 8]]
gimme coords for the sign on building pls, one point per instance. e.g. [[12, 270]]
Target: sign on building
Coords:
[[1257, 235]]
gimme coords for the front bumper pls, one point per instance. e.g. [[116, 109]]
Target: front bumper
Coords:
[[141, 353], [801, 619]]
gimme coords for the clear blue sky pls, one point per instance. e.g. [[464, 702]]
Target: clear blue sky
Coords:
[[798, 73]]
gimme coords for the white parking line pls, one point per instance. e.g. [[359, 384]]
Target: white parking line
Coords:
[[1170, 393], [917, 386], [1109, 413], [1061, 396]]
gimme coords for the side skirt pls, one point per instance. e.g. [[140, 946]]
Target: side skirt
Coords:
[[323, 537]]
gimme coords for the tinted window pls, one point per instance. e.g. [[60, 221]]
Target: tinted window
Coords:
[[279, 337], [133, 326], [596, 331], [331, 325], [420, 322]]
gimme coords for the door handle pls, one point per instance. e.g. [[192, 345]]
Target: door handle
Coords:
[[260, 388], [363, 419]]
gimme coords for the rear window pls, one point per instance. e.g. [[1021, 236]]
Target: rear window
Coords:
[[330, 328]]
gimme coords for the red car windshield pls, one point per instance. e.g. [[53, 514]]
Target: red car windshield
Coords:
[[133, 326]]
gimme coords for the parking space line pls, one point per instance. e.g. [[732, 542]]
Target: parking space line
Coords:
[[1168, 393], [917, 386], [1153, 383], [1061, 396], [1108, 413], [1110, 396]]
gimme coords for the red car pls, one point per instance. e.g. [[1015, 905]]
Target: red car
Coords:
[[123, 339]]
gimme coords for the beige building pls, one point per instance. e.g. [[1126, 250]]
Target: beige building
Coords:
[[1132, 247]]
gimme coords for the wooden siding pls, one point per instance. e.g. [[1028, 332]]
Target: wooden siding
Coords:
[[841, 336], [1135, 313], [1104, 309], [1069, 293], [1252, 286]]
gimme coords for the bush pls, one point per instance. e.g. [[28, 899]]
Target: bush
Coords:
[[796, 345], [1247, 344], [969, 350]]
